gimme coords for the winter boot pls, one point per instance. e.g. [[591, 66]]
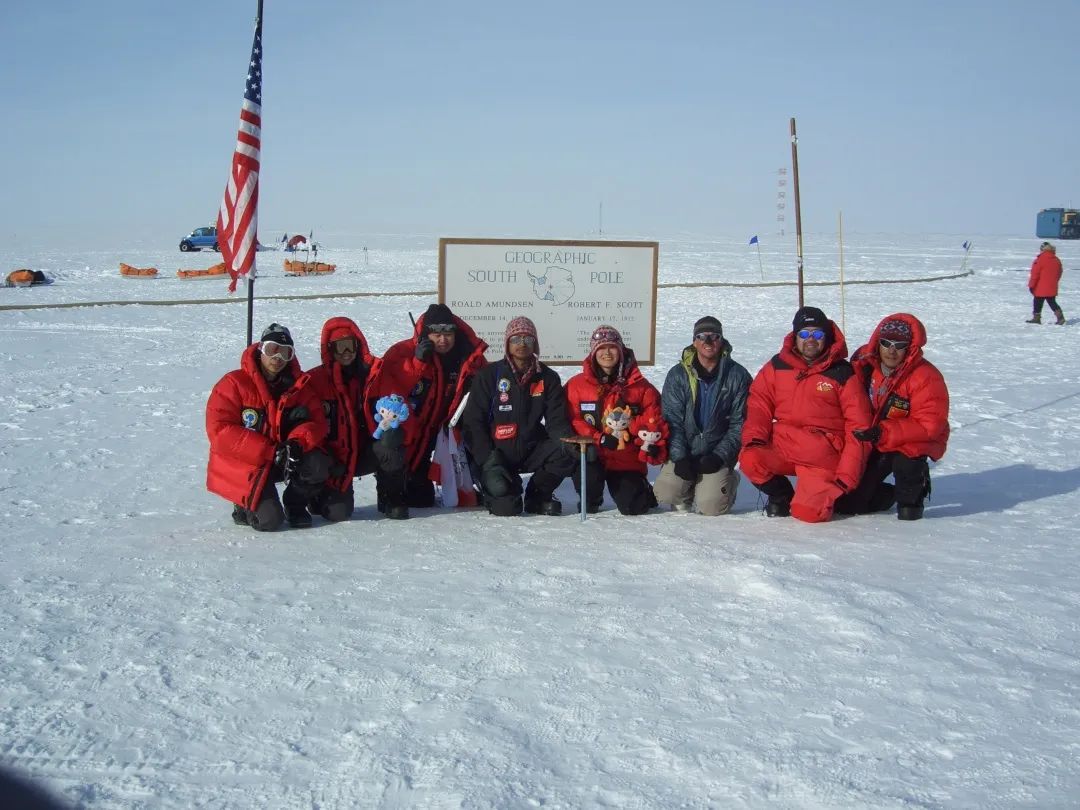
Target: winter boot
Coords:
[[1036, 318], [296, 511], [778, 507], [911, 511], [398, 511], [536, 504], [1060, 318], [239, 515]]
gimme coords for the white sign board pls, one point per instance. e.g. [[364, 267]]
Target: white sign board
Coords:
[[567, 288]]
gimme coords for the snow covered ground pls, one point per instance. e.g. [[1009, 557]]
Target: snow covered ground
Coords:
[[154, 655]]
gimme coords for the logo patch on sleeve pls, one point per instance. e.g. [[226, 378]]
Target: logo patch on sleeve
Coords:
[[249, 418]]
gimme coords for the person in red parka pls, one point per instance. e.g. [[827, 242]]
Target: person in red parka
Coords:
[[611, 403], [803, 406], [432, 370], [1043, 283], [343, 382], [265, 424], [910, 404]]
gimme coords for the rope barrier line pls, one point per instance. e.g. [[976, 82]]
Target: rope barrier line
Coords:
[[813, 283], [428, 293]]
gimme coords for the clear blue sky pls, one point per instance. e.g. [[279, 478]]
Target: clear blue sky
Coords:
[[514, 118]]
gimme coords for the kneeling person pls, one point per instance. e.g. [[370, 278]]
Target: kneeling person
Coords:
[[512, 424], [611, 402], [704, 405], [266, 424]]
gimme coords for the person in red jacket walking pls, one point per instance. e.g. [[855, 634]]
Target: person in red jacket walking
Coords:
[[343, 382], [612, 403], [803, 406], [266, 424], [1043, 283], [910, 403], [433, 371]]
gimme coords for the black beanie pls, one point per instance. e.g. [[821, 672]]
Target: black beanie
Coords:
[[276, 333], [438, 314], [810, 318], [708, 324]]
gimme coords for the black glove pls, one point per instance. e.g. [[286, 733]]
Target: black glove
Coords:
[[686, 468], [424, 349], [287, 457], [294, 417], [710, 463], [870, 434], [609, 442], [494, 477], [653, 450]]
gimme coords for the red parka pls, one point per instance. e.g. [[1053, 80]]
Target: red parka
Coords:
[[912, 404], [807, 413], [589, 401], [431, 397], [245, 424], [1045, 275], [345, 400]]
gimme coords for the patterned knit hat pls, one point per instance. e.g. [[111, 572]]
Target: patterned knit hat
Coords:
[[606, 336], [521, 326], [895, 329]]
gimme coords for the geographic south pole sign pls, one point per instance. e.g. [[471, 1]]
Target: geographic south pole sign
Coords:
[[566, 287]]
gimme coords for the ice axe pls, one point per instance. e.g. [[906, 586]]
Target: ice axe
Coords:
[[583, 443]]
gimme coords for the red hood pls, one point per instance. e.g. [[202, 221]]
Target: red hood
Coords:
[[836, 350], [342, 324], [869, 354]]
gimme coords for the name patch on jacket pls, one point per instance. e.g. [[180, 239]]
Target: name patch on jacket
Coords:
[[537, 389], [251, 418], [505, 431], [897, 407]]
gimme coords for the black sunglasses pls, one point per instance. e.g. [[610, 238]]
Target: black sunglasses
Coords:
[[441, 328], [707, 337]]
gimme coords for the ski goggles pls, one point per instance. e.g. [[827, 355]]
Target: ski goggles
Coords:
[[343, 345], [273, 349], [899, 345], [707, 337], [522, 340], [806, 334], [441, 329]]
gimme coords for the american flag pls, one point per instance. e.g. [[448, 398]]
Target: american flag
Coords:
[[237, 222]]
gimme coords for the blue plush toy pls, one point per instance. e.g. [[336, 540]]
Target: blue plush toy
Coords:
[[390, 411]]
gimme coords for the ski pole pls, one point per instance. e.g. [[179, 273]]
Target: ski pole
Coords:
[[583, 443]]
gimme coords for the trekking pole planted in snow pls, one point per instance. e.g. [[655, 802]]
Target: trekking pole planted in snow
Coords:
[[583, 443]]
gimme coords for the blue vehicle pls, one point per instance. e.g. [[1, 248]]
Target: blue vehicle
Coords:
[[1058, 223], [200, 238]]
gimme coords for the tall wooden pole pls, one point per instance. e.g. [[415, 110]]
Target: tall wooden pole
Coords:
[[798, 208]]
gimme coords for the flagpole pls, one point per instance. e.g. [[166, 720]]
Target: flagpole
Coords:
[[250, 307], [761, 267], [798, 208], [840, 232]]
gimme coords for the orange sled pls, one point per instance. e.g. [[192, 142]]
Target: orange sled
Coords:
[[216, 270], [309, 268], [137, 272]]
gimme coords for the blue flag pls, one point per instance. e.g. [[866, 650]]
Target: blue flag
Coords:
[[753, 239], [967, 245]]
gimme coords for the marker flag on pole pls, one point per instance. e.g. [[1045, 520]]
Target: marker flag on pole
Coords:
[[753, 239], [967, 245], [237, 221]]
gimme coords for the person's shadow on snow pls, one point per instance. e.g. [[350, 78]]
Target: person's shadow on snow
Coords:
[[997, 490]]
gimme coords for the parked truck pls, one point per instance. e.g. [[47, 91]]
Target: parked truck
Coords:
[[1058, 223]]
